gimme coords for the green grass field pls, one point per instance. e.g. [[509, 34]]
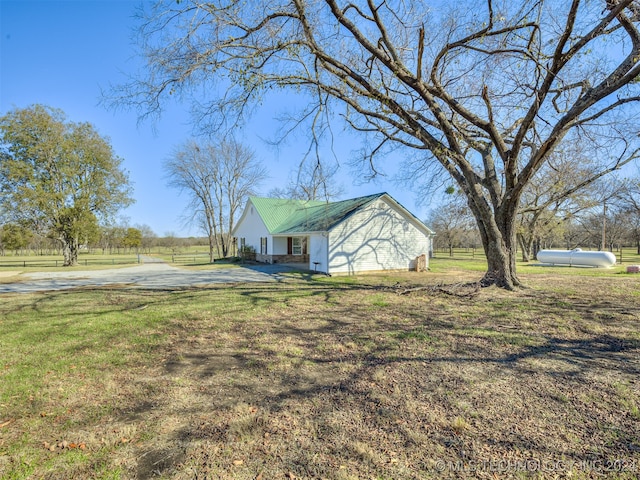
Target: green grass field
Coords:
[[39, 262], [194, 255], [403, 376], [467, 259]]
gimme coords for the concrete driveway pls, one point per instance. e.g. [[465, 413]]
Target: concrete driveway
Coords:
[[148, 275]]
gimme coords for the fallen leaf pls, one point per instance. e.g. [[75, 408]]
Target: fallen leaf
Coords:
[[238, 462], [4, 424]]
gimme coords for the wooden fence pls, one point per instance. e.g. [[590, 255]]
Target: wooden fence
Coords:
[[191, 259], [22, 263]]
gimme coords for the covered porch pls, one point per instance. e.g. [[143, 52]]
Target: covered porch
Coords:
[[287, 250]]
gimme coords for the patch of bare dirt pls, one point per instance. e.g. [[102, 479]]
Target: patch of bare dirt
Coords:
[[9, 273], [433, 381]]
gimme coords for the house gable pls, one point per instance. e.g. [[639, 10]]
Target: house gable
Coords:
[[380, 236], [250, 227]]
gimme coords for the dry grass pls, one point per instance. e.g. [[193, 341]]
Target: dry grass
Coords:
[[9, 276], [334, 378]]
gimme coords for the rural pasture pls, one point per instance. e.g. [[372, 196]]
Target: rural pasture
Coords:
[[398, 376]]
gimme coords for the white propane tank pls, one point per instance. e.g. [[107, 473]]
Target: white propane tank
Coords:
[[577, 258]]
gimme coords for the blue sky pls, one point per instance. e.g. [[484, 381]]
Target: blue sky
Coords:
[[63, 53]]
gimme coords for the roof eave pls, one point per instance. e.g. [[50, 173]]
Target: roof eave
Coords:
[[297, 234]]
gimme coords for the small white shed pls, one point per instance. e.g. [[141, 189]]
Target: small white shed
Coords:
[[364, 234]]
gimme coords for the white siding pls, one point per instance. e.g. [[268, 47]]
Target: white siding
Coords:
[[375, 238], [279, 245], [252, 228], [318, 253]]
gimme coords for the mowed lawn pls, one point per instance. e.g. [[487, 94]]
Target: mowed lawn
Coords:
[[405, 376]]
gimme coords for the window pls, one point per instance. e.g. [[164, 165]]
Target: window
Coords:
[[296, 246], [263, 245]]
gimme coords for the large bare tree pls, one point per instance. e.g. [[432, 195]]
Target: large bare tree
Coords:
[[453, 222], [627, 203], [314, 181], [218, 178], [486, 90], [563, 188]]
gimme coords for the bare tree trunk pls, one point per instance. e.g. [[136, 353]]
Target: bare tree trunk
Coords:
[[70, 251], [499, 243], [525, 246], [211, 254], [536, 247], [211, 234], [223, 242], [500, 264]]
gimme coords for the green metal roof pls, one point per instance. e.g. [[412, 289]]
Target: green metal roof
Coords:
[[275, 211], [321, 218], [282, 216]]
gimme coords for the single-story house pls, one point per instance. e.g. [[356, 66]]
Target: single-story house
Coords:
[[364, 234]]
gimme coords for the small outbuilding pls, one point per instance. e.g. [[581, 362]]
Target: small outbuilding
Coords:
[[364, 234]]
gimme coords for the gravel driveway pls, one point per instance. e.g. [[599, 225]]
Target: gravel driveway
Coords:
[[148, 275]]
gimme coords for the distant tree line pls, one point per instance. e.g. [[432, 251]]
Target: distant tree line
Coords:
[[111, 240], [605, 216], [18, 239]]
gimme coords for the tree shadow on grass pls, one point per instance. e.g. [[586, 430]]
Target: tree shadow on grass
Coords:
[[325, 375], [335, 366]]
